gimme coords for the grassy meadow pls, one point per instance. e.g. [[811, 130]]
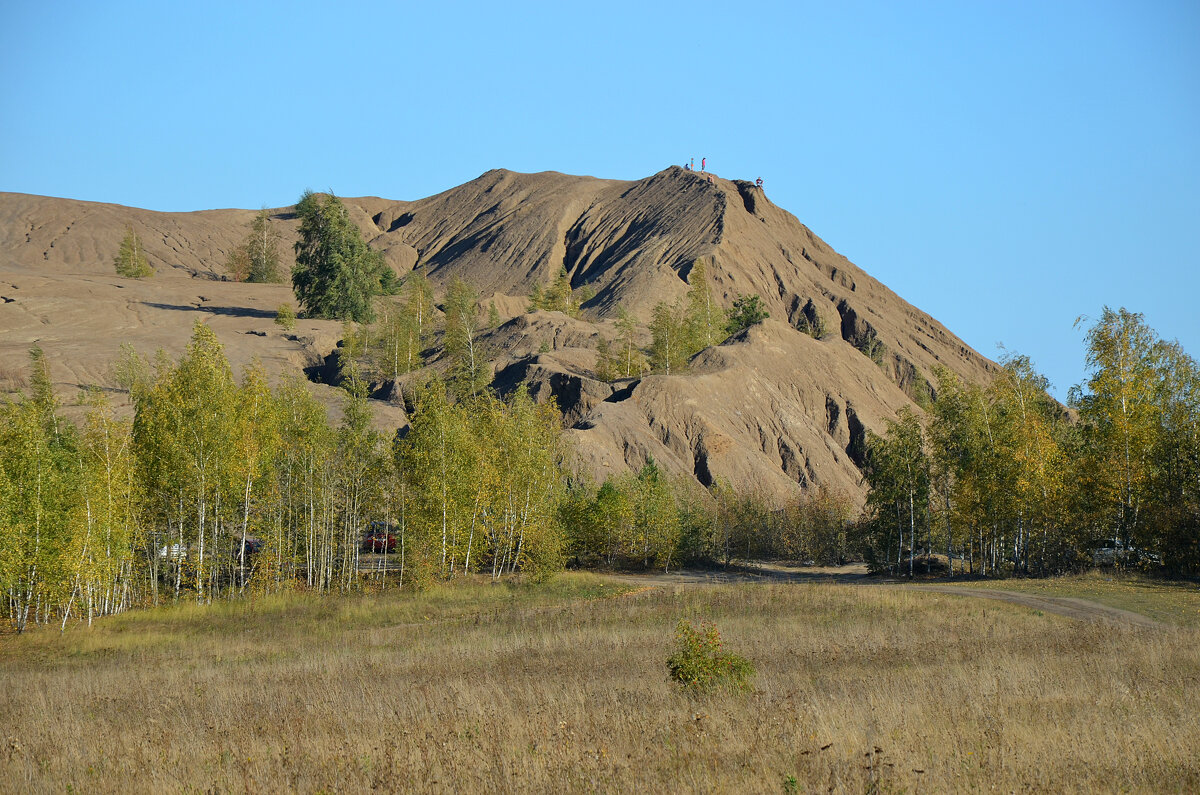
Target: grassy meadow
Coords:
[[563, 688], [1169, 602]]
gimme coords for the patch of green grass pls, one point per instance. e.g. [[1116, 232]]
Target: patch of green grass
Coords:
[[1168, 601], [287, 620]]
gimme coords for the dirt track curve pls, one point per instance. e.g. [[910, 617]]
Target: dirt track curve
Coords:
[[1063, 605]]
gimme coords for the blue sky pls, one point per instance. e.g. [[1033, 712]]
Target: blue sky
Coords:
[[1005, 166]]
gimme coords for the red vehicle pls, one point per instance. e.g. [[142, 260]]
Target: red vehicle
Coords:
[[379, 538]]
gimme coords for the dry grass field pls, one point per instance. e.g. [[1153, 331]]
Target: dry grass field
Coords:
[[563, 688]]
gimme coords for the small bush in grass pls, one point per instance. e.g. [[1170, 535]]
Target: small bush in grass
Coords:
[[285, 316], [700, 664]]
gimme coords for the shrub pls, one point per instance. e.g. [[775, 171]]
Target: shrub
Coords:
[[747, 310], [699, 664], [813, 324], [873, 348], [285, 316]]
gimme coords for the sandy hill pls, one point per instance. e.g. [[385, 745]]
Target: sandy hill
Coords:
[[773, 408]]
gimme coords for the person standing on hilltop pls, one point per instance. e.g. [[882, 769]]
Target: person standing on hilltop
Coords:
[[702, 161], [692, 165], [758, 182]]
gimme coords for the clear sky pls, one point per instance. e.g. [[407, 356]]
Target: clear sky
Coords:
[[1005, 166]]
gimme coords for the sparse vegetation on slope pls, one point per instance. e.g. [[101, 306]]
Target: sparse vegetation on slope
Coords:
[[507, 234]]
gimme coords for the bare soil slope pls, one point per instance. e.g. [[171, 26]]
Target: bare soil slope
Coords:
[[635, 242], [773, 408], [59, 290]]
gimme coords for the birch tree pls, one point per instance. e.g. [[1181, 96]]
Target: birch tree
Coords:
[[1036, 460], [629, 355], [526, 485], [1176, 485], [105, 526], [439, 460], [297, 544], [607, 367], [706, 320], [255, 441], [1118, 408], [257, 259], [468, 372], [34, 482], [131, 261], [182, 432], [898, 474], [669, 348], [393, 342], [39, 476], [953, 442]]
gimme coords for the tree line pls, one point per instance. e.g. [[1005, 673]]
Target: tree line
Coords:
[[220, 486], [1005, 480], [649, 520]]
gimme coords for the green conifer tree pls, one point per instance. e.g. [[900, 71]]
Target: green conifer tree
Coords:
[[747, 311], [336, 274]]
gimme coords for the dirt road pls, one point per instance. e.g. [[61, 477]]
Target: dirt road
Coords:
[[1062, 605]]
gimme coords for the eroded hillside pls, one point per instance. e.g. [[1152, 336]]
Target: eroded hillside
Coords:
[[780, 407]]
